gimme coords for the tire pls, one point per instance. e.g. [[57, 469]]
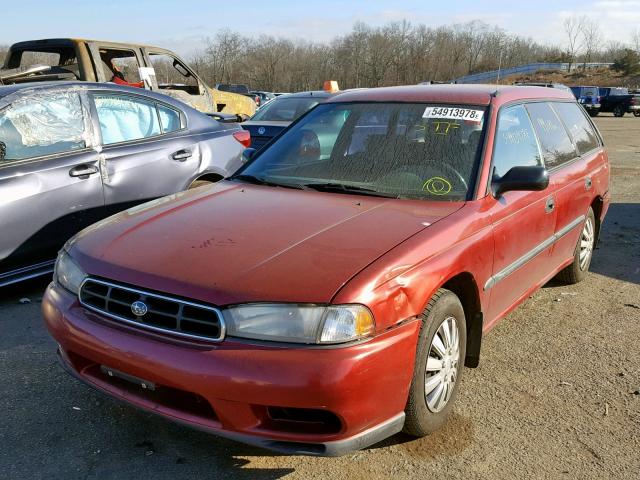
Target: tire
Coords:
[[577, 270], [424, 412], [199, 183], [636, 114], [618, 111], [594, 113]]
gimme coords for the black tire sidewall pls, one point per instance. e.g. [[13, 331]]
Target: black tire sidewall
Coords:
[[420, 420]]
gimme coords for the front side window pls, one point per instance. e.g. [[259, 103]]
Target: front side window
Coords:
[[557, 147], [515, 142], [41, 125], [578, 125], [124, 118], [399, 150]]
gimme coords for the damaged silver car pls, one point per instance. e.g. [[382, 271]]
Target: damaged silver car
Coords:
[[74, 153]]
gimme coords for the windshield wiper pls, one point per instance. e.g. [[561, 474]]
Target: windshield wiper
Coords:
[[243, 177], [348, 189]]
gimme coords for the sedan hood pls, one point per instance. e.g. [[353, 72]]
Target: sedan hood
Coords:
[[235, 242]]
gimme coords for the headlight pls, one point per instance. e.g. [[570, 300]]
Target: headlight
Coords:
[[68, 274], [299, 323]]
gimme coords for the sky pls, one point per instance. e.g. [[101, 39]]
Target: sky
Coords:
[[183, 25]]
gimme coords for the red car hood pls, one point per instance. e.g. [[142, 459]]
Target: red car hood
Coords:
[[235, 243]]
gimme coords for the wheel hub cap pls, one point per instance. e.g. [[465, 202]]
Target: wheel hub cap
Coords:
[[586, 243], [442, 365]]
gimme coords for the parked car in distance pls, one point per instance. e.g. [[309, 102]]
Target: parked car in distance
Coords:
[[142, 66], [264, 96], [589, 98], [74, 153], [323, 299], [279, 113], [619, 101], [544, 84]]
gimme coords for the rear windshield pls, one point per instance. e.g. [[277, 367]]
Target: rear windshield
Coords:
[[401, 150], [286, 109]]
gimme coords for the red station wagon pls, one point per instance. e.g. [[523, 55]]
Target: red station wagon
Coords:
[[329, 294]]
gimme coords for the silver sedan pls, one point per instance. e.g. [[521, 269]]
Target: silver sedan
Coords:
[[74, 153]]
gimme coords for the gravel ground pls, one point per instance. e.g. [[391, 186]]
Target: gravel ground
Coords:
[[557, 394]]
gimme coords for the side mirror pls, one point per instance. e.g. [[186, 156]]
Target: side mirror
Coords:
[[248, 154], [3, 151], [534, 178]]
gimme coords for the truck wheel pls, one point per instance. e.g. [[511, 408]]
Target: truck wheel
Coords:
[[636, 114], [594, 113], [438, 368], [578, 269], [618, 111]]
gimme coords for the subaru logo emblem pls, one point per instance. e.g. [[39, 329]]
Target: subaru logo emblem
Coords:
[[261, 130], [139, 308]]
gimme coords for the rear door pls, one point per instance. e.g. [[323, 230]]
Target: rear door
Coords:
[[50, 185], [573, 175], [145, 151], [523, 222]]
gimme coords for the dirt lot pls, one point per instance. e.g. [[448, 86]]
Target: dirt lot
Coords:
[[557, 394]]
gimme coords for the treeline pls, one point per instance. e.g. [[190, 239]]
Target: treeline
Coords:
[[393, 54]]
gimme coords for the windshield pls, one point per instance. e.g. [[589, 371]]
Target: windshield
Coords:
[[401, 150], [286, 109]]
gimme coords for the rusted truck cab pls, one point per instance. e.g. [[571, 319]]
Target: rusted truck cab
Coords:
[[141, 66]]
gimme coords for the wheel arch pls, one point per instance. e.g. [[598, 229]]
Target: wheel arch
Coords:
[[465, 287], [597, 205]]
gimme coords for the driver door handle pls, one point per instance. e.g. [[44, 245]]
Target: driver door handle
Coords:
[[181, 155], [83, 170]]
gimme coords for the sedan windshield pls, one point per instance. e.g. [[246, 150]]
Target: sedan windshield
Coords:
[[399, 150], [286, 109]]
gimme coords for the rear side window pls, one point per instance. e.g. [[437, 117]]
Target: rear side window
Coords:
[[557, 147], [515, 142], [169, 119], [578, 125], [124, 118]]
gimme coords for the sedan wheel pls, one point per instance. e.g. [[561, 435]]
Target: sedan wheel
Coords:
[[586, 243], [441, 370], [438, 366]]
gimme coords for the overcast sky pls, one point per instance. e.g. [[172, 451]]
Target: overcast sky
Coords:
[[183, 24]]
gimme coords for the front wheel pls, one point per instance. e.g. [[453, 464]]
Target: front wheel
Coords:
[[438, 367], [577, 270]]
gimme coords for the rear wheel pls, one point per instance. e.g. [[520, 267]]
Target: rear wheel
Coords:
[[618, 111], [438, 367], [636, 114], [576, 272], [594, 113]]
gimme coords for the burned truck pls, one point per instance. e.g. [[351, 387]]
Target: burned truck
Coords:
[[152, 68]]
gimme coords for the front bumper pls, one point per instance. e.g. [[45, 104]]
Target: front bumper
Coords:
[[364, 386]]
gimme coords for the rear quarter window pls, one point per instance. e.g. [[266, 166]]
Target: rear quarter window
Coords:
[[574, 118], [556, 144]]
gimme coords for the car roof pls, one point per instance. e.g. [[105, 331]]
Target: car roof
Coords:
[[308, 94], [8, 90], [476, 94]]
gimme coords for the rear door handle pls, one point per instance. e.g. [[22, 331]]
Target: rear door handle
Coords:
[[83, 171], [181, 155], [551, 204]]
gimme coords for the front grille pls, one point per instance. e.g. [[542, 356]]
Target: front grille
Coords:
[[164, 314]]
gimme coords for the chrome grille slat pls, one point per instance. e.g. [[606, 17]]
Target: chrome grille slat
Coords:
[[209, 327]]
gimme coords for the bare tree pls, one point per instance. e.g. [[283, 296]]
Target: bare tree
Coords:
[[573, 29], [635, 40], [591, 38]]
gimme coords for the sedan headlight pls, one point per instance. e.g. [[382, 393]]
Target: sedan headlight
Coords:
[[299, 323], [68, 274]]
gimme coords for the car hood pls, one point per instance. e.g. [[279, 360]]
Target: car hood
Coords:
[[234, 242]]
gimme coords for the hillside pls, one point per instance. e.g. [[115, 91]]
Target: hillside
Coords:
[[601, 77]]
